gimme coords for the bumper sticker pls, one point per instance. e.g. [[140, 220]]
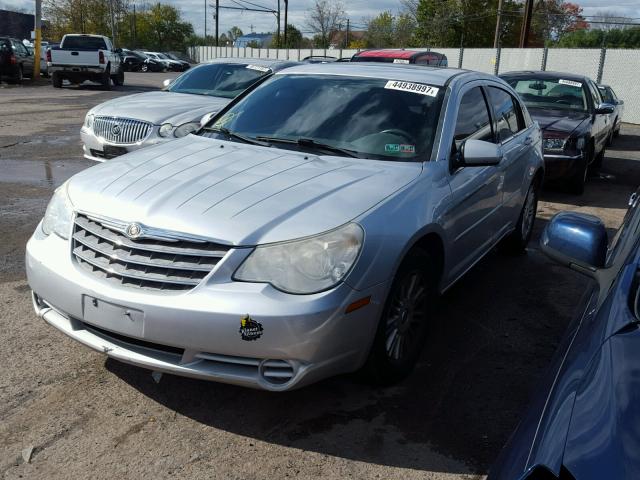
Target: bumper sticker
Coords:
[[250, 329]]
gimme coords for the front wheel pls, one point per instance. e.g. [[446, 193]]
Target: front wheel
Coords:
[[517, 241], [577, 182], [144, 67], [403, 326]]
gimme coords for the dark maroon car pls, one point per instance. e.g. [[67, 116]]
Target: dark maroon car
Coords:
[[400, 55]]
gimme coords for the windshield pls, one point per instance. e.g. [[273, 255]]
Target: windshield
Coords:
[[557, 93], [218, 79], [366, 117]]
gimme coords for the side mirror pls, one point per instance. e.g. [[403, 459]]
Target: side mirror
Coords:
[[205, 118], [576, 240], [478, 153], [167, 82], [605, 108], [620, 102]]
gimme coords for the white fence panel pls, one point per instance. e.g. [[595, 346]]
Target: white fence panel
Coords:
[[574, 60], [621, 69], [520, 59], [452, 54], [479, 59]]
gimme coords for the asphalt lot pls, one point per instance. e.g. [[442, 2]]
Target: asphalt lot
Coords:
[[85, 416]]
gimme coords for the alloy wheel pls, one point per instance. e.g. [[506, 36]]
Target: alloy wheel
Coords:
[[529, 213]]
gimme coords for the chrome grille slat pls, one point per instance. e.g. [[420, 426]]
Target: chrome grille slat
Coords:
[[150, 264], [131, 130]]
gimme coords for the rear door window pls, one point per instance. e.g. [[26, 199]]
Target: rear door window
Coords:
[[509, 119]]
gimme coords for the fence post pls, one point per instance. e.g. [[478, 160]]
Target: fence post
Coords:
[[496, 67], [298, 54], [545, 56], [461, 56], [603, 55], [340, 57]]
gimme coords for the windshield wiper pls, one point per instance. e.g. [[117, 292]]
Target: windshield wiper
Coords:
[[310, 143], [236, 136]]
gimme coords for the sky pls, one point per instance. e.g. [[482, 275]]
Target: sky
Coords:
[[357, 11]]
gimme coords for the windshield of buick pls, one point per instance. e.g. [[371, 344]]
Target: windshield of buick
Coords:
[[218, 79], [360, 117], [557, 93]]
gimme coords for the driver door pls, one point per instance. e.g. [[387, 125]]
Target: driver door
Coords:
[[473, 216]]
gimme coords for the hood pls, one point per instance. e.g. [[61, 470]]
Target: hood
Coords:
[[236, 193], [560, 121], [160, 107]]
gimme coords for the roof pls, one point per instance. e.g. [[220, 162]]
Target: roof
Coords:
[[544, 74], [407, 73], [393, 53], [273, 64]]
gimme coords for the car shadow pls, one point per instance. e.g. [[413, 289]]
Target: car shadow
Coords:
[[493, 336]]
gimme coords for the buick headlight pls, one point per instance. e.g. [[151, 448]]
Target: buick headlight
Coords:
[[305, 266], [554, 143], [57, 218], [186, 129], [88, 120], [165, 129]]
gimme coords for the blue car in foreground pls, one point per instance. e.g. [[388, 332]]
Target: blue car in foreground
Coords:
[[584, 421]]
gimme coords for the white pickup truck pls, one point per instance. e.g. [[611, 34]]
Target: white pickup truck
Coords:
[[85, 57]]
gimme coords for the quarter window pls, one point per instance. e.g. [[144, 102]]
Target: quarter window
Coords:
[[508, 117], [473, 119]]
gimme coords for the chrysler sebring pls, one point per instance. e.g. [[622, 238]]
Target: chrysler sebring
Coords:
[[305, 231]]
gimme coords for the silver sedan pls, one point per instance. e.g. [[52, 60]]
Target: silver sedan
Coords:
[[307, 230], [128, 123]]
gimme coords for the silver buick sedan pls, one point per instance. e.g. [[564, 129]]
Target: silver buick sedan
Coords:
[[305, 231], [124, 124]]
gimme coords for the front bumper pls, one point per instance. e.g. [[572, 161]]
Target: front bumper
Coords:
[[305, 337], [98, 149], [561, 167]]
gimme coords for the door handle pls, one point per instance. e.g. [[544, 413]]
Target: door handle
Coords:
[[528, 140]]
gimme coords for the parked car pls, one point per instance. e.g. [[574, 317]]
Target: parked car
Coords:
[[124, 124], [305, 231], [131, 61], [83, 57], [609, 96], [319, 59], [574, 121], [15, 60], [183, 56], [582, 422], [402, 56], [166, 61], [149, 64], [184, 65]]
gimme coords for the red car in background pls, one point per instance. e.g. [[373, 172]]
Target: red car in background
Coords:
[[398, 55]]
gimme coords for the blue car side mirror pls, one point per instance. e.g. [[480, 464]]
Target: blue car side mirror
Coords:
[[576, 240]]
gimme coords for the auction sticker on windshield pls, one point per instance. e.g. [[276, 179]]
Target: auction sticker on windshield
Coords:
[[400, 60], [258, 68], [420, 88], [570, 83]]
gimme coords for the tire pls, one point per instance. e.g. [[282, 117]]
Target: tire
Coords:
[[56, 80], [404, 323], [106, 81], [597, 163], [144, 67], [516, 242], [17, 79], [119, 78], [576, 183], [616, 133]]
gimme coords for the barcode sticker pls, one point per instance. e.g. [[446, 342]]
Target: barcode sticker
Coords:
[[400, 60], [419, 88], [258, 68], [570, 83]]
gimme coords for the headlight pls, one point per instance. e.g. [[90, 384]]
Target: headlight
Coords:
[[305, 266], [88, 120], [554, 143], [57, 218], [165, 130], [186, 129]]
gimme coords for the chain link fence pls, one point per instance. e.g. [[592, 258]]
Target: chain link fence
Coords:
[[616, 67]]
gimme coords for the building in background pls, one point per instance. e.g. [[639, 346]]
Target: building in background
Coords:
[[16, 25]]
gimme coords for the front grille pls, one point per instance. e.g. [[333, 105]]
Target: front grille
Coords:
[[121, 131], [144, 263]]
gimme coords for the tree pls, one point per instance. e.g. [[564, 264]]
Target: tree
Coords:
[[234, 33], [294, 38], [160, 27], [385, 31], [324, 19], [554, 18], [253, 44], [616, 38]]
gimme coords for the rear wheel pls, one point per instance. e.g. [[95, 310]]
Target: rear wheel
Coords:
[[403, 326], [106, 81], [56, 79], [119, 78], [18, 77]]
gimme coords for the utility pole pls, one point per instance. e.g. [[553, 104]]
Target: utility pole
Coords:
[[113, 28], [346, 37], [205, 22], [135, 27], [278, 19], [526, 24], [217, 15], [38, 40], [496, 39], [286, 10]]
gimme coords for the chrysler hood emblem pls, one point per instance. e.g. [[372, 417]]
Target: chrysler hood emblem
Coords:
[[133, 230]]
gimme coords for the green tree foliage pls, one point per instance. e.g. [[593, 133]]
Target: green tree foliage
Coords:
[[294, 38], [234, 33], [386, 31], [615, 38], [84, 16]]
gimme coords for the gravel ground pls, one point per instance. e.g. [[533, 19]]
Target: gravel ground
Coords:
[[85, 416]]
